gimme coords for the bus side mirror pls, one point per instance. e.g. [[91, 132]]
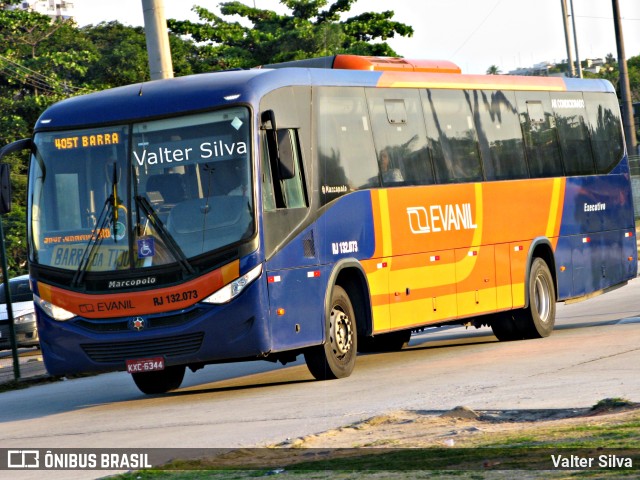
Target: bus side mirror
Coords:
[[5, 189], [5, 180], [279, 145]]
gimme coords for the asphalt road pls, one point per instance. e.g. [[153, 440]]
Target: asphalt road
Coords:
[[593, 354]]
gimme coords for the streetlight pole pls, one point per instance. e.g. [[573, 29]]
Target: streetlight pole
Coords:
[[155, 26], [575, 39], [625, 89], [565, 19]]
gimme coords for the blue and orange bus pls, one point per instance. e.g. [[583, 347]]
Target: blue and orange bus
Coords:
[[320, 208]]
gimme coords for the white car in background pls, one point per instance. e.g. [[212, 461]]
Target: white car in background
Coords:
[[24, 316]]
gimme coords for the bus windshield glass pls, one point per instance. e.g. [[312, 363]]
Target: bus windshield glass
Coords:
[[141, 195]]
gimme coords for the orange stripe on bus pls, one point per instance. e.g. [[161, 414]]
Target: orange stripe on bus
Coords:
[[143, 302], [474, 82]]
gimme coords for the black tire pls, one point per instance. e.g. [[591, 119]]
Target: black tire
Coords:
[[386, 342], [538, 320], [505, 327], [337, 357], [159, 382]]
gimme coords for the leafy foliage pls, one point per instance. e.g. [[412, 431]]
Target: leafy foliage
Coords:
[[312, 29], [43, 61]]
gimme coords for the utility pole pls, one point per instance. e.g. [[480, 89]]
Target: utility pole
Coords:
[[155, 26], [625, 89], [565, 19], [575, 40]]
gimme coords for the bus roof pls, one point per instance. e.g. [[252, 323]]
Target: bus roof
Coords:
[[358, 62], [160, 98]]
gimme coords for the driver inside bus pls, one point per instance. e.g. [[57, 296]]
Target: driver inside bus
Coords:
[[389, 174]]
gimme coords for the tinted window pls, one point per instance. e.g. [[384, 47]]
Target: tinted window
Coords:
[[540, 138], [292, 188], [603, 118], [499, 134], [400, 137], [268, 194], [452, 136], [573, 133], [347, 159]]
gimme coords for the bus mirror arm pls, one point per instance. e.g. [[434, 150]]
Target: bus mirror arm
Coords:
[[5, 189], [279, 145], [5, 181], [268, 119]]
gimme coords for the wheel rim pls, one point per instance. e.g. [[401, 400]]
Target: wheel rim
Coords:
[[341, 334], [542, 298]]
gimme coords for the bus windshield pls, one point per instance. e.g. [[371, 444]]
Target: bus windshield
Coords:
[[141, 195]]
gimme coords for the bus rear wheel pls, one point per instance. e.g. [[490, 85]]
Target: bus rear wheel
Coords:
[[538, 320], [505, 327], [159, 382], [336, 358]]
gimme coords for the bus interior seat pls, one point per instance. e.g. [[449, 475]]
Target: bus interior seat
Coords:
[[205, 224], [169, 186], [224, 178]]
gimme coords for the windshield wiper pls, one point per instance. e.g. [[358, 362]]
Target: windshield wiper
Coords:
[[164, 234], [97, 235], [94, 241]]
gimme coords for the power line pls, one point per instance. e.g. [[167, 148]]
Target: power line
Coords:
[[477, 28], [35, 79]]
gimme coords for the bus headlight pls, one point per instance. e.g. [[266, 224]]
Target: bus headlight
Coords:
[[233, 289], [55, 312]]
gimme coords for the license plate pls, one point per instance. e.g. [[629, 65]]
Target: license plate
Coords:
[[140, 365]]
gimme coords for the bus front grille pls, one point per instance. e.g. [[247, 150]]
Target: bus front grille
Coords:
[[174, 346], [122, 324]]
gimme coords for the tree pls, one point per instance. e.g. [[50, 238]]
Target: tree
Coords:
[[123, 55], [310, 30], [493, 70]]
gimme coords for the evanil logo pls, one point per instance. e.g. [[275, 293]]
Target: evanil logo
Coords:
[[441, 218]]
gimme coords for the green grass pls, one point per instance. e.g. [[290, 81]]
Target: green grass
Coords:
[[525, 455]]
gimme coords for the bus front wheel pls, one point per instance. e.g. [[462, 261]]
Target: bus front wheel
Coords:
[[337, 356], [161, 381]]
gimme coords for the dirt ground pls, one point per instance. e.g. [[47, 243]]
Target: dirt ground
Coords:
[[460, 427]]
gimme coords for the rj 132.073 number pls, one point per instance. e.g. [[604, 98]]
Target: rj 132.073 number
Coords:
[[176, 297], [344, 247]]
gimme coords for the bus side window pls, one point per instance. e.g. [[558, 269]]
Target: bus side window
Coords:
[[452, 136], [570, 111], [346, 156], [283, 189], [268, 196], [400, 137], [293, 191], [499, 134], [603, 118], [540, 136]]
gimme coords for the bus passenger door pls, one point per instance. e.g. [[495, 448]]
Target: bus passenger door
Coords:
[[292, 269]]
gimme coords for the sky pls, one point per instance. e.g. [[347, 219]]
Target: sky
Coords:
[[474, 34]]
